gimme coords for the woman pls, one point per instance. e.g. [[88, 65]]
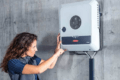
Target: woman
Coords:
[[21, 62]]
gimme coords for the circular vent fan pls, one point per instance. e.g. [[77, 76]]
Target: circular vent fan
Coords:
[[75, 22]]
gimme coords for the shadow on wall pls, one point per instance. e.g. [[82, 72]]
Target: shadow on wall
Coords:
[[48, 43]]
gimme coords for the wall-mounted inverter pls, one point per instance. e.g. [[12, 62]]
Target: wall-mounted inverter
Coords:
[[79, 26]]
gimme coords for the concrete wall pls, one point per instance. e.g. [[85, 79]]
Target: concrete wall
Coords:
[[41, 17]]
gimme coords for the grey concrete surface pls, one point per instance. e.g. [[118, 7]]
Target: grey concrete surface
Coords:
[[41, 18]]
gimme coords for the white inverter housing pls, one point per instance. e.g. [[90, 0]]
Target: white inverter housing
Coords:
[[79, 26]]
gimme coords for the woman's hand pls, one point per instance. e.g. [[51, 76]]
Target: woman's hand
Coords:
[[58, 43], [58, 50]]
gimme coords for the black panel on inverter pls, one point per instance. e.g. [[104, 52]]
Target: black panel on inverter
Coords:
[[76, 40]]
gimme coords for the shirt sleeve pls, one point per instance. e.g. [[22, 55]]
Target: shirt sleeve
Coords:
[[38, 60], [15, 66]]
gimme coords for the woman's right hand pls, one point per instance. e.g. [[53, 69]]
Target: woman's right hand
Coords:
[[59, 52]]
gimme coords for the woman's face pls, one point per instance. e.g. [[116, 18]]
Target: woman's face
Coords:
[[32, 49]]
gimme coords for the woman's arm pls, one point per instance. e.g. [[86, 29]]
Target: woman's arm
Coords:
[[33, 69], [57, 48], [52, 65]]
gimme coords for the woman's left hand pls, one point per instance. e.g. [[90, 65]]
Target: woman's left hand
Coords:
[[58, 42]]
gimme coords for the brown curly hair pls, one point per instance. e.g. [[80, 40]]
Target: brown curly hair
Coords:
[[18, 47]]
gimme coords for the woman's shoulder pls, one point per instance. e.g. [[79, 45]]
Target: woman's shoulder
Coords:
[[13, 61], [15, 66]]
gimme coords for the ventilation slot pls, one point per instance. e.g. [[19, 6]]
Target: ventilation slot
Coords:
[[98, 16]]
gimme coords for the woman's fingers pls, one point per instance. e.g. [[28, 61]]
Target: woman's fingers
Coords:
[[58, 38], [65, 50], [62, 51], [58, 45]]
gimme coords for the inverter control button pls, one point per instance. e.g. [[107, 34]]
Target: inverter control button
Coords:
[[63, 29]]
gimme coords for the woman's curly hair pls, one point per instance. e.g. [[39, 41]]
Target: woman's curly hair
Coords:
[[18, 47]]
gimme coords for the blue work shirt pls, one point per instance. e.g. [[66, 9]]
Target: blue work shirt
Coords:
[[15, 67]]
